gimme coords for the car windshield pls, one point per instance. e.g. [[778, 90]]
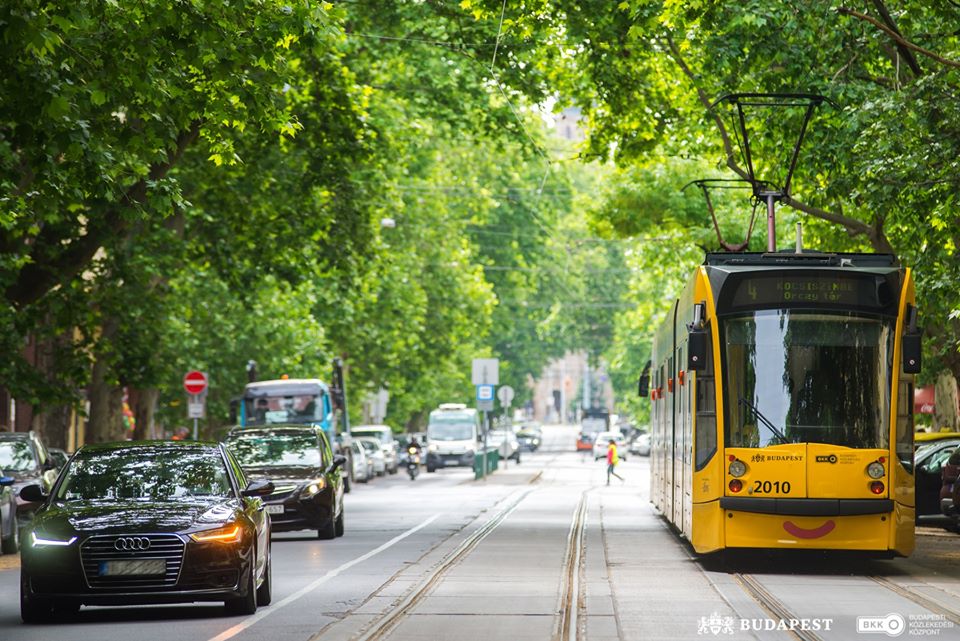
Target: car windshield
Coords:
[[270, 410], [453, 428], [16, 456], [370, 446], [145, 474], [275, 449], [793, 376]]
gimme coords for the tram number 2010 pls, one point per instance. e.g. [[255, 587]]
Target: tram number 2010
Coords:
[[770, 487]]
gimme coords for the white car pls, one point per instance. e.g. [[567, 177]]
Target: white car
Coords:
[[507, 442], [640, 445], [374, 452], [362, 466], [603, 439], [388, 442]]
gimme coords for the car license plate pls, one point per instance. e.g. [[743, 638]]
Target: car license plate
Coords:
[[128, 568], [274, 509]]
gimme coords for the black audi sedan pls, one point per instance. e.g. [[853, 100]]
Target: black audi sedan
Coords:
[[146, 522], [307, 476]]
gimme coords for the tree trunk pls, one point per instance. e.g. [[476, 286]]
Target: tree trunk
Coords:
[[105, 394], [53, 424], [945, 409], [143, 402]]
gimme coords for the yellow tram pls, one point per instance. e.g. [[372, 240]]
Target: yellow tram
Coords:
[[781, 391]]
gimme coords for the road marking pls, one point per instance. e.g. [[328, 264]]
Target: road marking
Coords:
[[246, 623]]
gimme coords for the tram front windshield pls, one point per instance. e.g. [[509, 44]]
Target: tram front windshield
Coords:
[[800, 377]]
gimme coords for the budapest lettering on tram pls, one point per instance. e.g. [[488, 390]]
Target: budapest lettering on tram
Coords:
[[781, 395]]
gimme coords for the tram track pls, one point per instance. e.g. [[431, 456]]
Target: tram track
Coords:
[[777, 608], [572, 594], [381, 627], [918, 598]]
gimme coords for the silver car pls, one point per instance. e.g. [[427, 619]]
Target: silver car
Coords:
[[374, 451], [506, 440]]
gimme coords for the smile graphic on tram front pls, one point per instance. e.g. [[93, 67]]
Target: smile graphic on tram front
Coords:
[[809, 533]]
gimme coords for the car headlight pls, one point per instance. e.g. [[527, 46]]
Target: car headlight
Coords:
[[433, 447], [45, 541], [314, 488], [227, 534]]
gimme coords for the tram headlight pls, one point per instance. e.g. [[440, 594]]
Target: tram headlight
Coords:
[[738, 468], [875, 470]]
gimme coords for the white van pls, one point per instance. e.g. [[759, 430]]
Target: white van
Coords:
[[453, 432]]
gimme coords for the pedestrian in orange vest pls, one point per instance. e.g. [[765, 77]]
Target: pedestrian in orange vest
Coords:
[[613, 459]]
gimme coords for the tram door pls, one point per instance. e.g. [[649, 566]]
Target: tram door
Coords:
[[684, 389], [666, 468], [680, 445]]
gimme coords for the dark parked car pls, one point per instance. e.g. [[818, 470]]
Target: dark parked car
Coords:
[[148, 522], [24, 457], [9, 526], [530, 438], [950, 488], [307, 476], [928, 474], [58, 456]]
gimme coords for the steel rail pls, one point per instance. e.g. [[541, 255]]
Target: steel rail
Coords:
[[919, 599], [571, 595], [773, 605], [380, 627]]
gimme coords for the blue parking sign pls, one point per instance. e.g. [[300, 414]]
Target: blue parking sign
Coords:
[[485, 392]]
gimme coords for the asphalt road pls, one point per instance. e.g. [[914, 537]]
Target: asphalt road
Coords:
[[544, 550]]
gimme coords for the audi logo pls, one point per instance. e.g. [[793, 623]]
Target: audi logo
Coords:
[[132, 543]]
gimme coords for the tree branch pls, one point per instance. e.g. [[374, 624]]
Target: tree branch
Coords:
[[901, 48], [39, 276], [897, 37]]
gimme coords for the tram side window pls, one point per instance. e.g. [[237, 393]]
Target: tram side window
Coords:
[[905, 424], [706, 426]]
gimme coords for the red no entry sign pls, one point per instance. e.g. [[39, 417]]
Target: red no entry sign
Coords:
[[195, 382]]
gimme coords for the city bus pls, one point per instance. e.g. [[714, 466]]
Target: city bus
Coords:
[[593, 421], [782, 404]]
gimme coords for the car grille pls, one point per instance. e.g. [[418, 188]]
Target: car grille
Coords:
[[99, 549]]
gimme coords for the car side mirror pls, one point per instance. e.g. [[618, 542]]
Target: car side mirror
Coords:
[[260, 487], [339, 460], [33, 493], [7, 480]]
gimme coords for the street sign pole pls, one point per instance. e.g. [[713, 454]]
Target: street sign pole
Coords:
[[195, 383], [485, 374], [485, 430]]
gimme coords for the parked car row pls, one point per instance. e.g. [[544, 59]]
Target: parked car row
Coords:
[[24, 460], [936, 469]]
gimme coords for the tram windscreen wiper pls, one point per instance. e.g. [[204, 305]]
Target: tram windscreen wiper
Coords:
[[766, 422]]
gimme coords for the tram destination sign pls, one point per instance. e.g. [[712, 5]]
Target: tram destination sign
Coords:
[[778, 289]]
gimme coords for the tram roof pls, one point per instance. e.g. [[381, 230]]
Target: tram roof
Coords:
[[806, 259]]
